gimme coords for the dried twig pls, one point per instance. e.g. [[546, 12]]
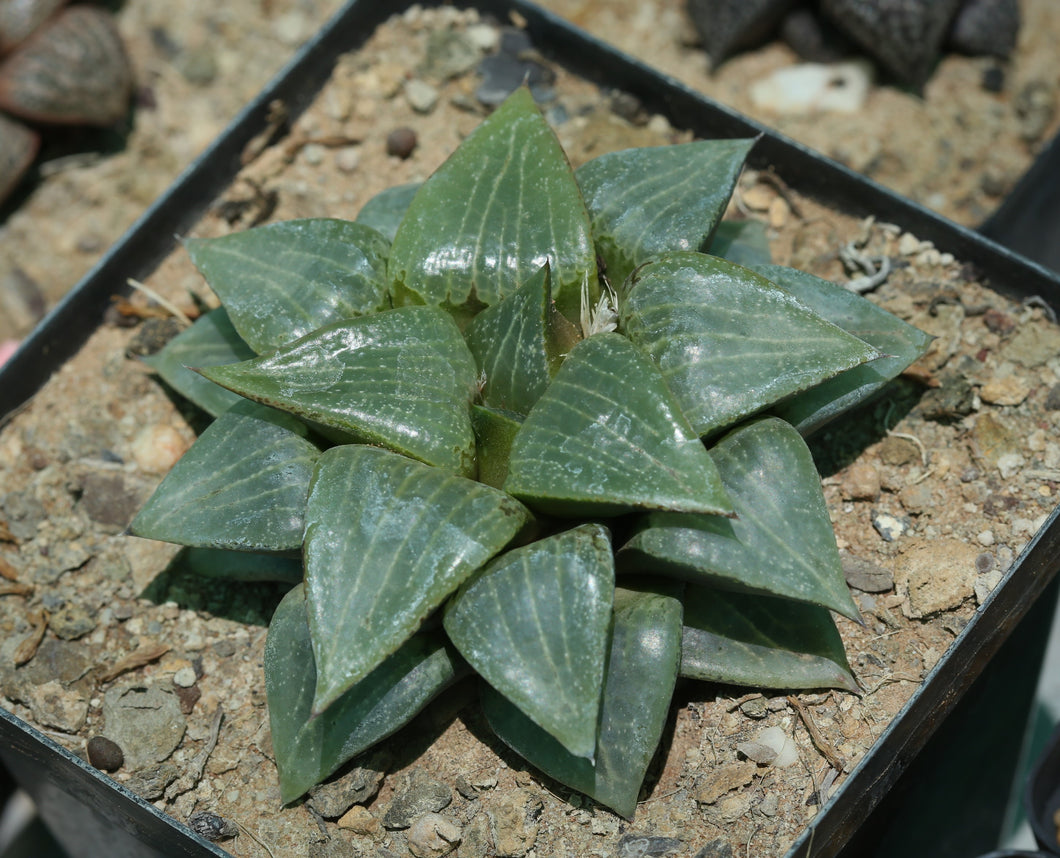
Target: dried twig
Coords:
[[143, 654], [822, 745], [28, 648], [191, 778], [158, 299]]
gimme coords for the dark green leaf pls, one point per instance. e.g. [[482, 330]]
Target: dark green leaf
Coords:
[[519, 343], [282, 280], [211, 340], [898, 342], [761, 641], [607, 437], [641, 672], [781, 541], [648, 201], [503, 204], [385, 210], [741, 241], [309, 748], [240, 565], [402, 378], [241, 486], [534, 624], [729, 342], [387, 541], [494, 433]]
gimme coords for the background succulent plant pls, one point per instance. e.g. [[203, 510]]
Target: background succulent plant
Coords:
[[57, 67], [470, 453]]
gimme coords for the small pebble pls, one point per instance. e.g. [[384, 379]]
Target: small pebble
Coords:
[[421, 96], [433, 835], [889, 527], [211, 826], [105, 754], [985, 538], [993, 79], [400, 142], [348, 158], [359, 820], [313, 154], [185, 677], [157, 448]]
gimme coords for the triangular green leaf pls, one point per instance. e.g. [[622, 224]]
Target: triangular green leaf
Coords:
[[282, 280], [781, 541], [385, 211], [519, 344], [648, 201], [309, 748], [494, 433], [534, 623], [211, 340], [641, 672], [607, 437], [242, 485], [729, 342], [899, 343], [503, 204], [741, 241], [238, 565], [761, 641], [402, 379], [387, 541]]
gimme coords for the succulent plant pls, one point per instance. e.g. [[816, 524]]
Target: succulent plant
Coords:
[[515, 422], [57, 67]]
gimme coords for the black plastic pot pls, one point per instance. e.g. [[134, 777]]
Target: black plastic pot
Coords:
[[93, 816], [1028, 220], [1042, 797]]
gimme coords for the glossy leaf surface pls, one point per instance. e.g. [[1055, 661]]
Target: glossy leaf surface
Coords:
[[211, 340], [385, 211], [308, 749], [761, 641], [898, 342], [240, 565], [495, 432], [519, 343], [641, 672], [282, 280], [535, 623], [242, 485], [781, 541], [402, 379], [607, 437], [503, 205], [741, 241], [387, 540], [728, 341], [652, 200]]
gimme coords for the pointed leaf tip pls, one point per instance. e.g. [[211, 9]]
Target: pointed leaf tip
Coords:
[[534, 623], [387, 540], [608, 437]]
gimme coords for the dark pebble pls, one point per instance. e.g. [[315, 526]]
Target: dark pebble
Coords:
[[105, 754], [211, 826], [1052, 398], [400, 142], [993, 79], [716, 849], [188, 697], [153, 336]]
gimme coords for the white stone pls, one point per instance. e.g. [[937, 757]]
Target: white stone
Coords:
[[814, 88], [421, 96]]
